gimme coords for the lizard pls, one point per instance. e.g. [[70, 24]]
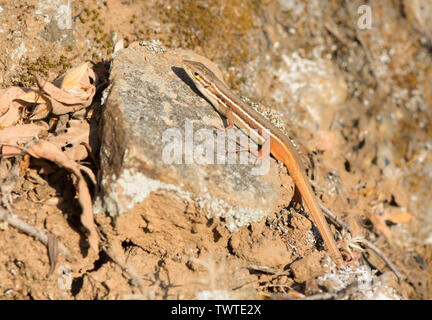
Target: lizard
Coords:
[[240, 114]]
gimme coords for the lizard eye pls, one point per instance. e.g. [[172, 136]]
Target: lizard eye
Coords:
[[196, 74]]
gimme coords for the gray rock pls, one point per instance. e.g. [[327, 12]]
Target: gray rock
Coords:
[[150, 99]]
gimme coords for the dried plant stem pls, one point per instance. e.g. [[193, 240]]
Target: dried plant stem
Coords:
[[381, 254], [136, 281], [367, 243], [30, 230], [333, 216]]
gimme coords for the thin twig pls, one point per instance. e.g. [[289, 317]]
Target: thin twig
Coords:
[[333, 216], [89, 173], [31, 231], [136, 281], [267, 270], [381, 254], [367, 243], [336, 34]]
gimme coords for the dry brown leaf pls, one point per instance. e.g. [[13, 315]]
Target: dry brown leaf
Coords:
[[42, 105], [22, 133], [47, 150], [10, 118], [7, 96], [399, 217], [71, 79], [70, 137], [78, 81], [379, 216], [56, 93], [32, 96], [71, 92], [9, 113], [59, 108], [41, 111]]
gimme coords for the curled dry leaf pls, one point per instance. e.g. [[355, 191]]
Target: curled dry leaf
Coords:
[[42, 105], [10, 118], [9, 113], [19, 134], [78, 81], [70, 138], [47, 150], [40, 111], [71, 92], [7, 96], [61, 101]]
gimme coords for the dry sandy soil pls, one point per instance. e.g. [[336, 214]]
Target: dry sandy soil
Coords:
[[368, 152]]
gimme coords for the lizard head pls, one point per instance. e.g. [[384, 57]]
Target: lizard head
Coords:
[[199, 73], [206, 82]]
